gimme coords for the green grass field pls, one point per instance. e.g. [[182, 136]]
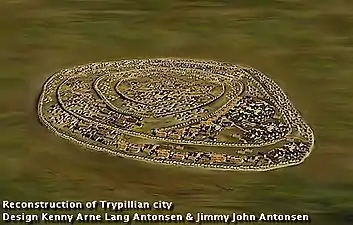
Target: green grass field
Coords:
[[305, 46]]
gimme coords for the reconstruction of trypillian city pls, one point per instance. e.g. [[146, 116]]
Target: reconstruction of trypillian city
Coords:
[[179, 112], [194, 112]]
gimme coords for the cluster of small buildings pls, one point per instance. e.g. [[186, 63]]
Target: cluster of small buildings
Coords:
[[96, 133], [199, 131], [254, 118], [163, 95], [287, 107], [265, 132], [58, 115], [84, 103], [84, 129], [257, 119], [292, 151], [187, 115]]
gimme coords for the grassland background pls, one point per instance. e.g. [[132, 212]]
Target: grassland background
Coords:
[[305, 46]]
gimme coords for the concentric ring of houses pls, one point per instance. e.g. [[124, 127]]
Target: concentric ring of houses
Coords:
[[105, 98], [280, 97], [120, 75]]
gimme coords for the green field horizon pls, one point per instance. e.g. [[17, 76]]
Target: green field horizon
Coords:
[[306, 47]]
